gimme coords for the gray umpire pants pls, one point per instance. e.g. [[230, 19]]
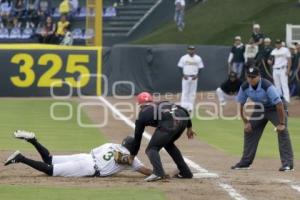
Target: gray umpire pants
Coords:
[[251, 140]]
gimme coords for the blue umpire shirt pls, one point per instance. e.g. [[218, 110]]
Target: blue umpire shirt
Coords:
[[265, 93]]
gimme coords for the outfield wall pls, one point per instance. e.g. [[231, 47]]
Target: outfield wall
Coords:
[[45, 70], [154, 68]]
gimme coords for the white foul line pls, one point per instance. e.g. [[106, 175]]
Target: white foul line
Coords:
[[228, 188], [296, 187]]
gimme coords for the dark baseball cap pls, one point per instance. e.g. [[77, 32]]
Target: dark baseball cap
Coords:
[[191, 47], [252, 72], [278, 41]]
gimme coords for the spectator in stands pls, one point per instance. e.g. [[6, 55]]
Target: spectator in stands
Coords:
[[60, 31], [74, 6], [236, 59], [68, 39], [179, 14], [4, 33], [257, 38], [5, 10], [262, 58], [47, 32], [44, 9], [19, 8], [28, 31], [65, 7], [110, 11], [16, 29], [229, 88]]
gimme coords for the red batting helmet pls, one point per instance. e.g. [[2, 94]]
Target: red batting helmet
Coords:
[[144, 97]]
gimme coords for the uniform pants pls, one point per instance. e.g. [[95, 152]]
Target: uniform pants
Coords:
[[78, 165], [251, 140], [238, 68], [281, 83], [179, 19], [222, 96], [163, 138], [189, 89]]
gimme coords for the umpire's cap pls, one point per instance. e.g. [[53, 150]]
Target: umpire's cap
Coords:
[[128, 143], [252, 71]]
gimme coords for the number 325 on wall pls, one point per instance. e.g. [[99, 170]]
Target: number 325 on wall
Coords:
[[75, 64]]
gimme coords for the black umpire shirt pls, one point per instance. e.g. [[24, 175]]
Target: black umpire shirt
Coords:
[[156, 114]]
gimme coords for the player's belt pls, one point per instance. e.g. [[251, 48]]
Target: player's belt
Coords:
[[96, 168], [191, 75], [279, 67]]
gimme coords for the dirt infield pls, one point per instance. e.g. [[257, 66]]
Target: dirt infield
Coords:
[[262, 182]]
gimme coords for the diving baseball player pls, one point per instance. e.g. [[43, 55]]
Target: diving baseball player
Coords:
[[170, 121], [190, 65], [105, 160], [281, 60]]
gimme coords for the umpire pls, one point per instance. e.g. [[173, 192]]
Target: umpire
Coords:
[[268, 107], [170, 121]]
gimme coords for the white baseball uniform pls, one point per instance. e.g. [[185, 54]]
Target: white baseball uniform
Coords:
[[81, 165], [280, 78], [190, 66]]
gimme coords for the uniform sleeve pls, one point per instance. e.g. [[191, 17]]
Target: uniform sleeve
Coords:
[[273, 95], [145, 115], [181, 62], [136, 164], [230, 57], [272, 53], [241, 97], [288, 54], [200, 63]]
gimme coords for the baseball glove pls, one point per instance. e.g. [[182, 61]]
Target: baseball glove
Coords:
[[121, 158]]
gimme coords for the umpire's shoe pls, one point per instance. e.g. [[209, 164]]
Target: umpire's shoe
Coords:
[[153, 177], [180, 176], [13, 158], [240, 166], [286, 168], [24, 135]]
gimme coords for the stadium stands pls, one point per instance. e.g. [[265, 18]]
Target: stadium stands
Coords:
[[120, 17]]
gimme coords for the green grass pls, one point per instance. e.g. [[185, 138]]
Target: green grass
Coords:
[[34, 115], [216, 22], [227, 136], [47, 193]]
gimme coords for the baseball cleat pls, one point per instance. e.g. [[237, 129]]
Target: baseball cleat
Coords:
[[13, 158], [240, 166], [286, 169], [182, 177], [24, 135], [152, 178]]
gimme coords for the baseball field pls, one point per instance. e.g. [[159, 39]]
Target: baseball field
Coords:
[[217, 146]]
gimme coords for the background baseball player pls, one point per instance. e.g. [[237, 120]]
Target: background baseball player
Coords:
[[190, 65], [281, 60], [269, 107], [105, 160], [228, 89], [262, 58], [236, 59], [170, 121]]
